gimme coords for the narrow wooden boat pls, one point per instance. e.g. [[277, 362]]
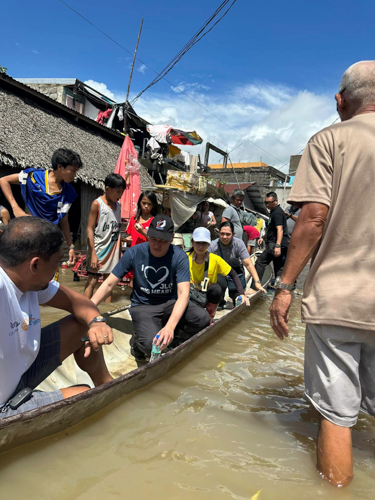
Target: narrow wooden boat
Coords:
[[45, 421]]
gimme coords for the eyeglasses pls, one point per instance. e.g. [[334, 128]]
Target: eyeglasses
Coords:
[[343, 90], [269, 202]]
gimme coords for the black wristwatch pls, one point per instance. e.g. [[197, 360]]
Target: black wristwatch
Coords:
[[97, 319], [277, 245]]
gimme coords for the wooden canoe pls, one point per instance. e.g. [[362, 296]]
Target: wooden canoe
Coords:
[[47, 420]]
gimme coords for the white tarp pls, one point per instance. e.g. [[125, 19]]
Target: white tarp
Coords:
[[183, 205], [218, 201]]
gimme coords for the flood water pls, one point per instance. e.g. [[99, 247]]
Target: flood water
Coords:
[[228, 422]]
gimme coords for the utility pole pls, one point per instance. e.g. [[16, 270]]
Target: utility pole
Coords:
[[131, 74]]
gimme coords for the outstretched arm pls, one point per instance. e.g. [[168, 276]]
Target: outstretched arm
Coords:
[[84, 311], [105, 289], [167, 333], [253, 273], [240, 290], [5, 185]]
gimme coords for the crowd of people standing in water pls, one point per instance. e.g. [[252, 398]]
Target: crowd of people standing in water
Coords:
[[175, 291]]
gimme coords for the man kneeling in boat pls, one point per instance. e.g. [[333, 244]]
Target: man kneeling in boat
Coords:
[[160, 299], [30, 251]]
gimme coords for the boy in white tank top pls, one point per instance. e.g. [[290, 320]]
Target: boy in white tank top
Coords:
[[103, 233]]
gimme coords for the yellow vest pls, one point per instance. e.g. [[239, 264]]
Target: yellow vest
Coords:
[[216, 266]]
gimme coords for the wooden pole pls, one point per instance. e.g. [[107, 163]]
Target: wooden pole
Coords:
[[130, 78], [134, 58]]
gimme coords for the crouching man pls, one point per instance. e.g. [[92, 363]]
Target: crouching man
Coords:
[[30, 251], [160, 298]]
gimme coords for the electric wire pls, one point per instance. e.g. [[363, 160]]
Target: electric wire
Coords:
[[195, 39], [174, 86]]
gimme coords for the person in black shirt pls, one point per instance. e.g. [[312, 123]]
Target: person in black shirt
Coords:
[[277, 238]]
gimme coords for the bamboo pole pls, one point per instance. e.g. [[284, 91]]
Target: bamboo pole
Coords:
[[134, 58], [130, 77]]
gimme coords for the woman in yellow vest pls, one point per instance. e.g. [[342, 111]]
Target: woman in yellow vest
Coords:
[[204, 269]]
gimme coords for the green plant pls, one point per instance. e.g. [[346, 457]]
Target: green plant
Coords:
[[3, 70]]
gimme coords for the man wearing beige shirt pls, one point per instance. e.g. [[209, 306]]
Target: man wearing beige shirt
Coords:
[[332, 187]]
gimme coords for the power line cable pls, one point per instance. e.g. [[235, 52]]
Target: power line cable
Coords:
[[195, 39], [170, 83]]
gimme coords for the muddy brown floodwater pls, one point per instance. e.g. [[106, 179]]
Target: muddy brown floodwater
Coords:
[[228, 422]]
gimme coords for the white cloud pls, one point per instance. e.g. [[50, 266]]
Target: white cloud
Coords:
[[276, 118], [101, 87], [34, 51], [192, 87], [142, 69]]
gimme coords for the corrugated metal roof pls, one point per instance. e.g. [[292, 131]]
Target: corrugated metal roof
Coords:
[[229, 188], [58, 81]]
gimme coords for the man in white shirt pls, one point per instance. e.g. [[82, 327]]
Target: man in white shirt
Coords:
[[30, 250]]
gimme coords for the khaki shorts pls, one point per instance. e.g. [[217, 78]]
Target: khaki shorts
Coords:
[[340, 372]]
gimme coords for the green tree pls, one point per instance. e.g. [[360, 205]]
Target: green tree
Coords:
[[3, 69]]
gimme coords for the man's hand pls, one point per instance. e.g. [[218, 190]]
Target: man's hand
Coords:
[[287, 214], [277, 252], [99, 334], [18, 212], [166, 336], [260, 242], [279, 313], [94, 262]]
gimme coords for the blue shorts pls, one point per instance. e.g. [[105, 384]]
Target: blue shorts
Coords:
[[47, 360]]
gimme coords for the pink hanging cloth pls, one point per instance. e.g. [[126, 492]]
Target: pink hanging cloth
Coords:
[[128, 167]]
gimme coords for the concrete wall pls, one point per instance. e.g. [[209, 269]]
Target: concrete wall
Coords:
[[54, 91], [283, 195], [267, 178]]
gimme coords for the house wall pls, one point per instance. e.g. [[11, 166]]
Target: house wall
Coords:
[[267, 178], [283, 196], [54, 91]]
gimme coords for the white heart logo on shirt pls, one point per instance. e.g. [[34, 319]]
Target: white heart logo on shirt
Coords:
[[154, 275]]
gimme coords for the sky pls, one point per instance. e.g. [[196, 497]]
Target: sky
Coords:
[[259, 85]]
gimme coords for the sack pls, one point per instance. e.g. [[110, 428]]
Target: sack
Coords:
[[247, 218], [198, 297]]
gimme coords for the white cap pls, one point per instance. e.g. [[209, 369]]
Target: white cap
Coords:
[[202, 234]]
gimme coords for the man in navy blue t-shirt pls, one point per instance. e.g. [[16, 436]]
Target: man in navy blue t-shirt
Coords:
[[160, 298]]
